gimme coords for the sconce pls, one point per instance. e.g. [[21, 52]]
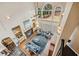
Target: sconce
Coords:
[[59, 30], [8, 17], [62, 14], [37, 24]]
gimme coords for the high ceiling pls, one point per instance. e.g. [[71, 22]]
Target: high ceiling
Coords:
[[12, 8], [54, 4]]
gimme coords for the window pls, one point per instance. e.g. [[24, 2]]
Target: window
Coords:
[[45, 12], [57, 15], [58, 11]]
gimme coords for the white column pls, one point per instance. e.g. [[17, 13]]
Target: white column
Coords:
[[64, 19]]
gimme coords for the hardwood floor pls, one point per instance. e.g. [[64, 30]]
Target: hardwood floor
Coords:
[[22, 45], [23, 48]]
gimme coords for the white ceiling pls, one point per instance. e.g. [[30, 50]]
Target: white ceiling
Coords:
[[17, 11], [12, 8]]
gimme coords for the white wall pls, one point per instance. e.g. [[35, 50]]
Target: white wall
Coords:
[[18, 13], [71, 23], [48, 26], [74, 44], [62, 24], [53, 18]]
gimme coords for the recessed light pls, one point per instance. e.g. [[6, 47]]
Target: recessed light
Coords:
[[8, 17]]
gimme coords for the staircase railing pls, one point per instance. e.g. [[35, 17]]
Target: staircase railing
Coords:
[[61, 49]]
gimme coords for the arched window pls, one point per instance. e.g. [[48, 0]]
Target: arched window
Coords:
[[45, 12], [58, 11], [57, 14]]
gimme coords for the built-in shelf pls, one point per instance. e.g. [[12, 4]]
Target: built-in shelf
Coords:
[[17, 31], [8, 43]]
